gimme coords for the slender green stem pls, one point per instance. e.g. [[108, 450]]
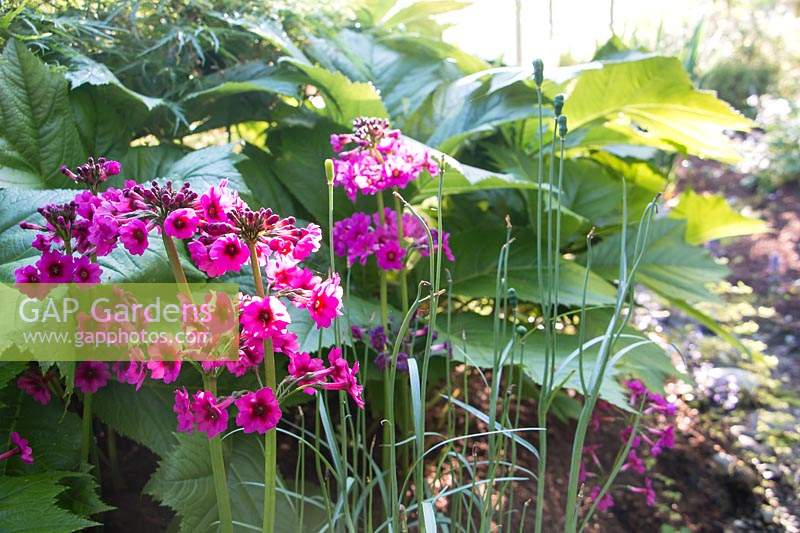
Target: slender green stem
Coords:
[[603, 356], [398, 209], [270, 380], [435, 263], [218, 469], [270, 448], [394, 496], [116, 477], [210, 384], [174, 260], [86, 428], [542, 417], [343, 410], [384, 306]]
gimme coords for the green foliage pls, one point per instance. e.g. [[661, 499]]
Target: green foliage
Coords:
[[52, 431], [709, 217], [145, 415], [657, 102], [29, 503], [170, 93], [670, 265], [473, 342], [474, 274], [37, 129], [184, 483]]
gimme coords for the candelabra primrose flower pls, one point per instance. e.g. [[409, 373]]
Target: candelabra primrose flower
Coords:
[[361, 235], [381, 158], [19, 447]]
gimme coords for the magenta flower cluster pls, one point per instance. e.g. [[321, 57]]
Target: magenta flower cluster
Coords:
[[73, 234], [222, 234], [259, 411], [362, 235], [374, 157], [657, 435]]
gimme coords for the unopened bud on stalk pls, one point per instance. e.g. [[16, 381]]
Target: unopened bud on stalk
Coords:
[[538, 72], [521, 330], [562, 126], [329, 171], [512, 297], [558, 104]]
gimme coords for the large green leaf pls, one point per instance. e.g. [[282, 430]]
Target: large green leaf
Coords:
[[206, 167], [359, 311], [475, 269], [710, 217], [591, 188], [252, 76], [10, 370], [184, 483], [37, 128], [405, 75], [266, 187], [657, 99], [419, 11], [104, 128], [474, 342], [467, 107], [107, 113], [29, 504], [85, 71], [344, 99], [146, 163], [298, 158], [420, 45], [670, 265], [460, 178], [144, 416]]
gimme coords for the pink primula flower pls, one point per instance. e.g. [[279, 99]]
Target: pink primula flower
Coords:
[[258, 411], [33, 383], [210, 416], [229, 253], [325, 302], [181, 223], [91, 376], [134, 236], [263, 318]]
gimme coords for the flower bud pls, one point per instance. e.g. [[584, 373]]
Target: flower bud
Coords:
[[558, 104], [562, 126], [521, 330], [329, 171], [512, 297], [538, 72]]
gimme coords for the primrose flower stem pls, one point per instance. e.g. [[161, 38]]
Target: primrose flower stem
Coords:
[[218, 470], [270, 440], [174, 260], [387, 391], [86, 428], [209, 384], [398, 208]]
